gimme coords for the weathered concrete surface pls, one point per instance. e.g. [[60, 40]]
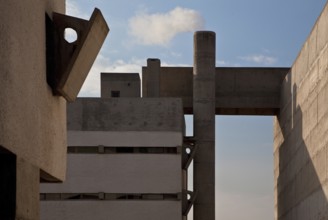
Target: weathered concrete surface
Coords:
[[126, 114], [119, 124], [204, 124], [27, 190], [114, 210], [128, 84], [239, 90], [32, 120], [153, 79], [123, 138], [120, 173], [300, 134]]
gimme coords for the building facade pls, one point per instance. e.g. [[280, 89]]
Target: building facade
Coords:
[[125, 157]]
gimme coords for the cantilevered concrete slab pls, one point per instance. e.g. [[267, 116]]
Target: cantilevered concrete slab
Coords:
[[239, 90]]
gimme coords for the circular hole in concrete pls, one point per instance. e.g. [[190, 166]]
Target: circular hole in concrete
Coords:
[[70, 35], [188, 150]]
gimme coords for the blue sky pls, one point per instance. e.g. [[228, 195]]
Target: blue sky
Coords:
[[249, 33]]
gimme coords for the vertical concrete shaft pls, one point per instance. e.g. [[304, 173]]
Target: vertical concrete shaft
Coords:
[[204, 124], [153, 83]]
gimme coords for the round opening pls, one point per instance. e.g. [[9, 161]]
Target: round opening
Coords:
[[188, 196], [70, 35], [188, 150]]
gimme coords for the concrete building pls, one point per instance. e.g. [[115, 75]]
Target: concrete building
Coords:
[[33, 141], [296, 97], [32, 120], [125, 157], [33, 137]]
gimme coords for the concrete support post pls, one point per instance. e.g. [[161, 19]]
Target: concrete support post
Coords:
[[153, 83], [204, 124], [19, 188], [27, 190]]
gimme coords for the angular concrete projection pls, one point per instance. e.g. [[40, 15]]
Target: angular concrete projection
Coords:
[[238, 90], [73, 61]]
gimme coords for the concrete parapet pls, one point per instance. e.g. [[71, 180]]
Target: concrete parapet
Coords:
[[126, 114]]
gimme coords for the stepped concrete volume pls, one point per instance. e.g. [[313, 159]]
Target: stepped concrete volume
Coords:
[[33, 141]]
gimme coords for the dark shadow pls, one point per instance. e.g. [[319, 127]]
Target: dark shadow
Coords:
[[302, 164], [7, 184]]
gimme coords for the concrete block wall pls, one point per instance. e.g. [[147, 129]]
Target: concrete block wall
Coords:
[[301, 132]]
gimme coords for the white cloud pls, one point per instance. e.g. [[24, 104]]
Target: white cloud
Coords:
[[260, 59], [160, 28], [223, 63], [72, 9]]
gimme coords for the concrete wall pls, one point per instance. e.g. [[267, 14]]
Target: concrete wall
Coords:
[[126, 114], [32, 120], [113, 210], [301, 133], [128, 84], [120, 173], [125, 138]]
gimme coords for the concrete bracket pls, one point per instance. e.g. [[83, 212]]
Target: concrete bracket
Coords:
[[68, 63], [190, 201]]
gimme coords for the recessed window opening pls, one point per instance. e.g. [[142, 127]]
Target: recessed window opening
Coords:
[[115, 94]]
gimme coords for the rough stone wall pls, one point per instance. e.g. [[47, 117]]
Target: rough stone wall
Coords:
[[301, 132], [32, 120]]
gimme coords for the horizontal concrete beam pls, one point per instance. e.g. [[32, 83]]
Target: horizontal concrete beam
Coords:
[[239, 91]]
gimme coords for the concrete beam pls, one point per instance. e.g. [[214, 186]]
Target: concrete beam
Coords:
[[239, 90]]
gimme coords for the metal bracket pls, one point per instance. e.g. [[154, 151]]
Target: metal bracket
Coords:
[[190, 202], [68, 64], [187, 158]]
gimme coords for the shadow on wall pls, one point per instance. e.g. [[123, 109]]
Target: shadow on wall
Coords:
[[7, 184], [300, 159]]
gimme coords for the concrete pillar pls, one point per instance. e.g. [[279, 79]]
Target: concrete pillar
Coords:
[[27, 190], [204, 124], [153, 81], [19, 188]]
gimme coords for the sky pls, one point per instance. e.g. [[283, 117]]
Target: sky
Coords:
[[256, 33]]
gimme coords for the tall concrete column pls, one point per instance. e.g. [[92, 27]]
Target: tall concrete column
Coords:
[[204, 124], [153, 82]]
